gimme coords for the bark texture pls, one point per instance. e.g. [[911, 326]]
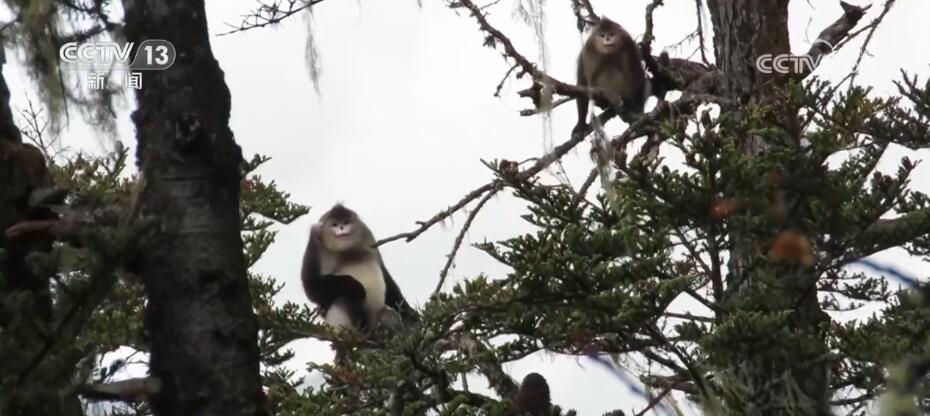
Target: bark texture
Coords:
[[26, 310], [199, 319], [744, 30]]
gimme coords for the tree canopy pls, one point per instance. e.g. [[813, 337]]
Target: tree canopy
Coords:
[[715, 281]]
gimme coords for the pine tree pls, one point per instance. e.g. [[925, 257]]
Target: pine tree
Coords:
[[755, 227]]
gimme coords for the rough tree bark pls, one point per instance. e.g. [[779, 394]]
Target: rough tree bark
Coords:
[[199, 319], [22, 170], [744, 30]]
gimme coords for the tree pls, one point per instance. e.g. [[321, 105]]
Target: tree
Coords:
[[755, 227], [200, 327], [202, 331], [25, 291], [107, 314]]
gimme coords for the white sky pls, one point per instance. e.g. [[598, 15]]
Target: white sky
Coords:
[[406, 111]]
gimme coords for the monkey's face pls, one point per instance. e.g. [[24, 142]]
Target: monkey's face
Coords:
[[606, 41], [341, 234]]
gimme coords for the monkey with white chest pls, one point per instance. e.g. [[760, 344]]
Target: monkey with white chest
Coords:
[[610, 60], [344, 274]]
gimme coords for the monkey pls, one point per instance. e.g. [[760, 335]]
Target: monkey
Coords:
[[533, 398], [345, 276], [610, 60]]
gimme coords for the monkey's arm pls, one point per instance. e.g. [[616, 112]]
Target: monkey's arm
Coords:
[[581, 102], [395, 299], [325, 289], [310, 269]]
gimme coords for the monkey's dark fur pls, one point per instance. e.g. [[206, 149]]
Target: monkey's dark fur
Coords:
[[326, 256], [610, 60], [533, 399]]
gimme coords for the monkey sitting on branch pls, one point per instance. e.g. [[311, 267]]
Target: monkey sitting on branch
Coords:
[[343, 274], [610, 61]]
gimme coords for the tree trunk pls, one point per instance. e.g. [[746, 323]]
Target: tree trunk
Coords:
[[25, 295], [743, 31], [199, 319]]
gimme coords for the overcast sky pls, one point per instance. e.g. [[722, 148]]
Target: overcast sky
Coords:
[[406, 111]]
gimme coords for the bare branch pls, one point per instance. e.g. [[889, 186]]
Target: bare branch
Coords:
[[672, 382], [442, 215], [497, 91], [461, 236], [648, 37], [535, 111], [580, 7], [491, 368], [834, 33], [34, 128], [267, 14], [584, 187], [873, 26], [131, 390], [699, 5], [655, 401], [688, 316]]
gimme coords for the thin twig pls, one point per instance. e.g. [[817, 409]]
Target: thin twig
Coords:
[[497, 91], [700, 30], [655, 401], [584, 188], [270, 14], [535, 111], [442, 215], [458, 239], [692, 250], [541, 163], [688, 316], [868, 39]]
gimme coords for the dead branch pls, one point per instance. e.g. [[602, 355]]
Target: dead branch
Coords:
[[131, 390], [442, 215], [699, 5], [267, 14], [834, 34], [492, 370], [34, 129], [497, 91], [873, 26], [583, 191], [654, 401], [671, 382], [580, 7], [534, 111], [648, 37], [461, 236], [73, 221]]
